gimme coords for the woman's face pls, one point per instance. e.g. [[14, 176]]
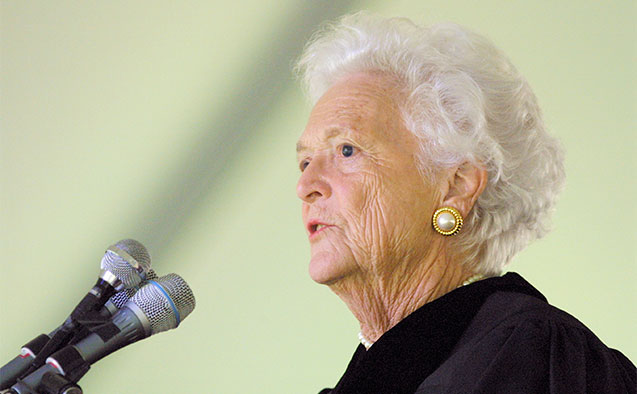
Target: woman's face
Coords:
[[366, 208]]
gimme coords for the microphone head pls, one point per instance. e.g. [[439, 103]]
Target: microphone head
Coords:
[[165, 302], [125, 264], [120, 298]]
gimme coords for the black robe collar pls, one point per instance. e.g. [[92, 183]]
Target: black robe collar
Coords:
[[410, 351]]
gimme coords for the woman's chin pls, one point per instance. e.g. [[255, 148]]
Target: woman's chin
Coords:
[[325, 268]]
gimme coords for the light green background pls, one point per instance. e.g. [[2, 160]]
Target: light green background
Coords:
[[175, 122]]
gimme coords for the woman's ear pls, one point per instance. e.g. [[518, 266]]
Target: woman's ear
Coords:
[[465, 185]]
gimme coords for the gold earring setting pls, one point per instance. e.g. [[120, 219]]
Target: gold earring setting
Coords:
[[447, 221]]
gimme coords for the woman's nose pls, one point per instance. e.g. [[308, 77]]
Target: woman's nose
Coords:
[[313, 183]]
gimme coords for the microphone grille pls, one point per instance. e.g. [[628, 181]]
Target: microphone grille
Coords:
[[137, 251], [130, 273], [165, 302], [120, 298]]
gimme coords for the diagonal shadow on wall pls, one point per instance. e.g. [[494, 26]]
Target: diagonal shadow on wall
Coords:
[[265, 82]]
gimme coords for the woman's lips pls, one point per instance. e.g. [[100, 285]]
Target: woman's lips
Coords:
[[316, 227]]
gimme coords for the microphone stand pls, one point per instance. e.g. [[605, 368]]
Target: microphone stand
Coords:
[[52, 383], [77, 326]]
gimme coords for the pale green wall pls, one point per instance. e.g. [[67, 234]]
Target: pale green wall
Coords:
[[175, 123]]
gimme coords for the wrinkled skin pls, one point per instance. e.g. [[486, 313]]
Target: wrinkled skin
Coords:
[[375, 200], [378, 250]]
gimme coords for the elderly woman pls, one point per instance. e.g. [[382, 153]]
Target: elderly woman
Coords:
[[425, 167]]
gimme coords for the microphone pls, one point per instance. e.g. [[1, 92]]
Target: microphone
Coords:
[[123, 267], [158, 306], [119, 299]]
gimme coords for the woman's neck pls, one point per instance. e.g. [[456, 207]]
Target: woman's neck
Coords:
[[380, 300]]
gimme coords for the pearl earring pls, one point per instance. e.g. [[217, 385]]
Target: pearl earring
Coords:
[[447, 221]]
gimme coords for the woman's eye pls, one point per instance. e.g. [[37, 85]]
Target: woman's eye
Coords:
[[304, 165], [347, 150]]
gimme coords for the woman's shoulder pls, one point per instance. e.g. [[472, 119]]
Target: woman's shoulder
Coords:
[[505, 310], [513, 303], [518, 342], [532, 326]]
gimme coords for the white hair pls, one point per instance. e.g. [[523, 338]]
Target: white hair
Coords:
[[465, 102]]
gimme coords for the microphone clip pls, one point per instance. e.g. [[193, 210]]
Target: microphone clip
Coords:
[[53, 383]]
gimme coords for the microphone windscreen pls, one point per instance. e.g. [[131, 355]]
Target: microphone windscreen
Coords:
[[136, 250], [128, 260], [165, 302], [120, 298]]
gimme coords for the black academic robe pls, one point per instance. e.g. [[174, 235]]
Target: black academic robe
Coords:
[[497, 335]]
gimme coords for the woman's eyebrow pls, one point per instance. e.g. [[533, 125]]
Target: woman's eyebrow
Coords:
[[327, 135]]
